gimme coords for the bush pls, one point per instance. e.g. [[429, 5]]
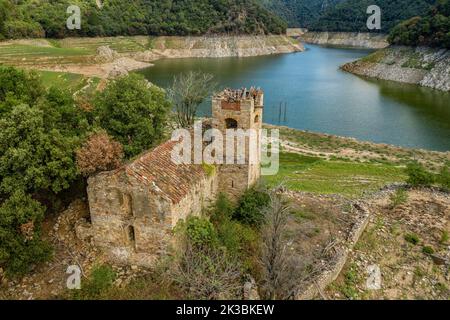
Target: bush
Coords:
[[222, 210], [399, 197], [240, 241], [444, 177], [20, 228], [99, 283], [444, 237], [412, 238], [99, 153], [427, 250], [200, 232], [418, 176], [250, 206]]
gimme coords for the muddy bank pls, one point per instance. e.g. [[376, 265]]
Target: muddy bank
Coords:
[[220, 47], [110, 57], [346, 39], [427, 67]]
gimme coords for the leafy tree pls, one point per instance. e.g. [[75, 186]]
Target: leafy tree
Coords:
[[187, 92], [20, 244], [351, 15], [133, 112], [33, 157], [431, 29], [141, 17], [5, 8], [18, 86]]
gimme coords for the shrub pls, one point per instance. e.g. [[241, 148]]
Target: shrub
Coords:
[[412, 238], [418, 176], [444, 177], [222, 210], [99, 153], [99, 283], [427, 250], [444, 237], [399, 197], [200, 232], [250, 206], [240, 241], [20, 228]]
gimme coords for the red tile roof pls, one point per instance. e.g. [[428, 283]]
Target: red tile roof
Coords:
[[156, 168]]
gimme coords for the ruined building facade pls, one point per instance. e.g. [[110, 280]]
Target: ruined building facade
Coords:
[[135, 208]]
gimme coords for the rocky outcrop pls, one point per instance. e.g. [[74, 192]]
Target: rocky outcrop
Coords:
[[106, 54], [424, 66], [347, 39], [218, 47]]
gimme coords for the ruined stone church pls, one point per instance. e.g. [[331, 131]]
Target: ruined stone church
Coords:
[[135, 207]]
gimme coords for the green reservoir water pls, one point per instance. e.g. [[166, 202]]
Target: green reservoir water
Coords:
[[322, 98]]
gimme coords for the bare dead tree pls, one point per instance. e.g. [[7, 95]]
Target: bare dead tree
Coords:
[[207, 273], [187, 93], [278, 269]]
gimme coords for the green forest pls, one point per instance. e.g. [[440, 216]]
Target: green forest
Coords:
[[409, 22], [300, 13], [47, 18], [345, 15], [432, 29], [351, 15]]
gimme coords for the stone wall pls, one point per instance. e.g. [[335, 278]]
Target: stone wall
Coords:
[[234, 179], [135, 208], [133, 223]]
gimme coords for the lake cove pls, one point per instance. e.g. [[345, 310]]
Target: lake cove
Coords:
[[319, 97], [186, 310]]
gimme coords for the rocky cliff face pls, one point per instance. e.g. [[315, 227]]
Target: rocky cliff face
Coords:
[[427, 67], [218, 47], [347, 39]]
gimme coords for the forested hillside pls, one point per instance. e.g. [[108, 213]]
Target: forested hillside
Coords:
[[299, 13], [345, 15], [432, 29], [351, 15], [47, 18]]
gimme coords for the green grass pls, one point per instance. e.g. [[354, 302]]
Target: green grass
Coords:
[[375, 57], [30, 51], [70, 81], [302, 173]]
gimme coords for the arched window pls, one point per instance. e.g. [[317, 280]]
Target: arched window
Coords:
[[131, 235], [257, 119], [231, 123]]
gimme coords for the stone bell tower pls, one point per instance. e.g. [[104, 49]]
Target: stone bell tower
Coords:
[[239, 111]]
